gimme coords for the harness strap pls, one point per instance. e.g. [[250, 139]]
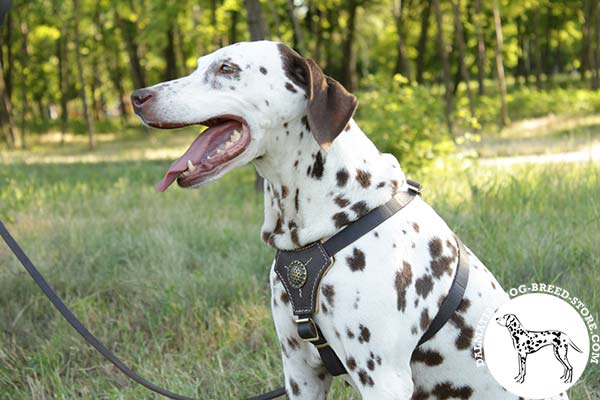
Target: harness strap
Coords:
[[87, 335], [309, 331], [302, 282], [371, 220], [454, 296]]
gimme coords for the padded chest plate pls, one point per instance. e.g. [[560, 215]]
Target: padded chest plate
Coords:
[[301, 272]]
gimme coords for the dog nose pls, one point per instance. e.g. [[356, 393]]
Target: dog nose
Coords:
[[139, 97]]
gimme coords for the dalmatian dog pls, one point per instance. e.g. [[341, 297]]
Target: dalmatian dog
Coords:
[[263, 103], [527, 342]]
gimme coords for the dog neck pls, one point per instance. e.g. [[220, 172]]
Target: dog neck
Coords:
[[310, 193]]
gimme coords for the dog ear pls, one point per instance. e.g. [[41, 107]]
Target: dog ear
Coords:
[[329, 106]]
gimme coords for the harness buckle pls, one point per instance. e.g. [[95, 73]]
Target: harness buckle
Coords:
[[414, 186], [307, 330]]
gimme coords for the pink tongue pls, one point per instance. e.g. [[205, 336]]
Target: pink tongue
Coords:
[[194, 153]]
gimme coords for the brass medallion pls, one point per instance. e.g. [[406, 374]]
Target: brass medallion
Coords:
[[296, 274]]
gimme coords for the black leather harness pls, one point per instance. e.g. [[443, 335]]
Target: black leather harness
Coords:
[[301, 272]]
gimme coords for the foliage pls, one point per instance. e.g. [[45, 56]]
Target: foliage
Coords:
[[167, 37], [402, 119], [526, 102]]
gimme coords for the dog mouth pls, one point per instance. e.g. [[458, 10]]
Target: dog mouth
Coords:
[[224, 140]]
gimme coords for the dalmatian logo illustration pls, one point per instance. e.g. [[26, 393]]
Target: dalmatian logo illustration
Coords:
[[528, 342]]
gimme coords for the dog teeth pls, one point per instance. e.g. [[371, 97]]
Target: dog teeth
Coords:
[[191, 167], [234, 138]]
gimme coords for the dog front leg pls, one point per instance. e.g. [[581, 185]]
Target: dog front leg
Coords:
[[304, 381], [384, 383], [522, 360]]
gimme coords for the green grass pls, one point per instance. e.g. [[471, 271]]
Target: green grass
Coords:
[[176, 283]]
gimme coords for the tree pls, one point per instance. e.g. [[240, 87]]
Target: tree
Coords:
[[23, 60], [443, 55], [128, 30], [82, 91], [480, 48], [402, 65], [6, 105], [256, 22], [298, 37], [63, 76], [537, 48], [256, 28], [500, 65], [422, 44], [7, 110], [169, 54], [348, 76], [462, 48]]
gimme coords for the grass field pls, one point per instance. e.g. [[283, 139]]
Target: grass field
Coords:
[[176, 283]]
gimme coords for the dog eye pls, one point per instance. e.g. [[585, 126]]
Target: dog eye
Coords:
[[227, 69]]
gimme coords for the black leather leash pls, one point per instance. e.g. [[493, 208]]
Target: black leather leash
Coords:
[[87, 335], [302, 270]]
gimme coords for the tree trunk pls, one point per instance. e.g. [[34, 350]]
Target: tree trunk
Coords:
[[256, 22], [422, 43], [61, 54], [63, 84], [181, 51], [547, 56], [348, 76], [443, 55], [96, 84], [462, 50], [256, 27], [586, 47], [8, 75], [128, 30], [24, 59], [298, 37], [217, 39], [317, 32], [117, 78], [169, 54], [332, 15], [113, 66], [500, 65], [7, 107], [480, 48], [42, 111], [595, 48], [537, 49], [402, 64], [233, 16], [82, 91]]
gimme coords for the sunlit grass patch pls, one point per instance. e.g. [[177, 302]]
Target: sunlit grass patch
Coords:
[[551, 134]]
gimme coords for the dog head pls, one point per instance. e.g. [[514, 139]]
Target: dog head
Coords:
[[243, 93], [508, 320]]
